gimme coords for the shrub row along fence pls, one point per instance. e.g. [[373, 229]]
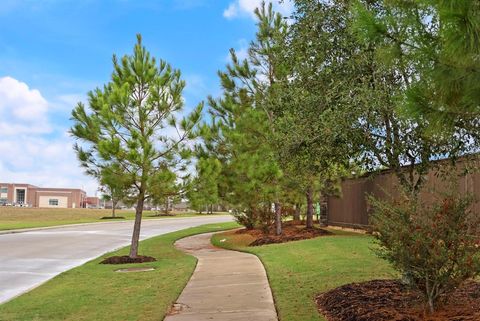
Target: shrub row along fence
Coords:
[[351, 208]]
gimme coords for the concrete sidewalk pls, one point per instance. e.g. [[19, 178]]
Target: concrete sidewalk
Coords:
[[226, 286]]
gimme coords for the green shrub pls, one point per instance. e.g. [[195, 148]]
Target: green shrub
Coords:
[[245, 218], [435, 245], [260, 217]]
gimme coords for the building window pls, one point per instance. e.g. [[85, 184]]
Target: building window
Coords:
[[3, 189], [3, 201], [53, 202]]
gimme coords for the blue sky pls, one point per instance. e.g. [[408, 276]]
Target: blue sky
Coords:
[[52, 52]]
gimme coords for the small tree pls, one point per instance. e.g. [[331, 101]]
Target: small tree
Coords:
[[203, 189], [113, 187], [111, 194], [165, 189], [129, 123], [435, 246]]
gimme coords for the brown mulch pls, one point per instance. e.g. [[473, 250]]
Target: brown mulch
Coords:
[[126, 259], [112, 218], [382, 300], [290, 232]]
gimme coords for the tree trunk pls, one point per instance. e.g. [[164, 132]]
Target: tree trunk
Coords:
[[136, 226], [114, 205], [166, 207], [296, 215], [278, 218], [309, 195]]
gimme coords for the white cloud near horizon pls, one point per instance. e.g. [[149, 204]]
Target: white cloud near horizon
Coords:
[[31, 149], [22, 110], [246, 8]]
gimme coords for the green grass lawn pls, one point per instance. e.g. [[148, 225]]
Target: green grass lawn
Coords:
[[94, 291], [299, 270], [18, 217]]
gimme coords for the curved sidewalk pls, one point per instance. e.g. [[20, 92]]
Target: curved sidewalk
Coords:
[[225, 286]]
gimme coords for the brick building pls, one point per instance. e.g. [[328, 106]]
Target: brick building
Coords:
[[34, 196], [92, 202]]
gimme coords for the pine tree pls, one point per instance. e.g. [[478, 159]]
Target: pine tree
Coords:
[[241, 134], [436, 46], [346, 102], [127, 123], [203, 190]]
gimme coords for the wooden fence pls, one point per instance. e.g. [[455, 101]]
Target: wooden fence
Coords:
[[351, 209]]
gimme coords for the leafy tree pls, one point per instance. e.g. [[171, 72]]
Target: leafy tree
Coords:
[[113, 187], [315, 121], [128, 123], [340, 78], [165, 189]]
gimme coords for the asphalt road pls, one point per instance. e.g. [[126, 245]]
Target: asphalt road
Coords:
[[30, 258]]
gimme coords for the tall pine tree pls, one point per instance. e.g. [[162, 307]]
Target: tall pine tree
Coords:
[[128, 121]]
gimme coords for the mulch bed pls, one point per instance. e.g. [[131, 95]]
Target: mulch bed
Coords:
[[290, 232], [382, 300], [112, 218], [126, 259]]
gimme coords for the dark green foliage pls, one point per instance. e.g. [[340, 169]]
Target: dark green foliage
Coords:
[[203, 189], [319, 143], [347, 100], [436, 46]]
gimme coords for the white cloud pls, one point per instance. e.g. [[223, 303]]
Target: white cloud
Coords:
[[231, 11], [43, 162], [246, 8], [31, 150], [22, 110]]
